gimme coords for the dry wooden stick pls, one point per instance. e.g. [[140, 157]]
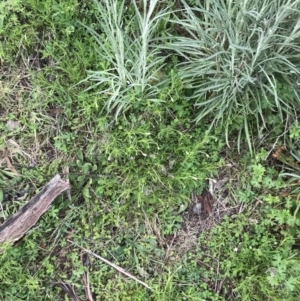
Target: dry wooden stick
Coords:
[[17, 225], [86, 281], [112, 265], [67, 288]]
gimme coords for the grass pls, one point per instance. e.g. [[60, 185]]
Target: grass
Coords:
[[240, 61], [130, 73], [110, 94]]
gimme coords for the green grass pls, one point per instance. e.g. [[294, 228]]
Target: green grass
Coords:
[[241, 61], [129, 75], [116, 93]]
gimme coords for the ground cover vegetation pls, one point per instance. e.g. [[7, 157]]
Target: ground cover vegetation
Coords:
[[176, 123]]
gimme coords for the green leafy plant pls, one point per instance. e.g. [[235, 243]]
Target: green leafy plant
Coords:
[[240, 59], [255, 253], [15, 279]]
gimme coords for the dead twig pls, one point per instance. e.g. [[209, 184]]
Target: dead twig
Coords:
[[276, 141], [121, 270], [67, 288], [218, 270], [258, 202], [86, 281]]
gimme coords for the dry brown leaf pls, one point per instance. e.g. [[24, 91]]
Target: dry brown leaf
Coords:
[[9, 165]]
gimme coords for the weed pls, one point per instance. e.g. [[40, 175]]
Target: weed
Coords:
[[250, 243], [240, 61], [130, 73]]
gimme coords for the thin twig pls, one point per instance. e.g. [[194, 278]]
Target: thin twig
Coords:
[[218, 269], [121, 270], [87, 286], [276, 141], [258, 202], [67, 288], [169, 246], [3, 214], [86, 281], [205, 264], [220, 285], [66, 171], [241, 209]]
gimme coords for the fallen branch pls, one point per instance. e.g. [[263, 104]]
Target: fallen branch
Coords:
[[20, 223]]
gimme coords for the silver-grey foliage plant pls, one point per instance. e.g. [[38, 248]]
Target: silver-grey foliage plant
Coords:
[[240, 58], [125, 46]]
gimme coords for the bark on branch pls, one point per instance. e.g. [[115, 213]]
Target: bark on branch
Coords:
[[17, 225]]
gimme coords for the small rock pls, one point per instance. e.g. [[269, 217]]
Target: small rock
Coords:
[[31, 165], [12, 125], [197, 208], [220, 183]]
